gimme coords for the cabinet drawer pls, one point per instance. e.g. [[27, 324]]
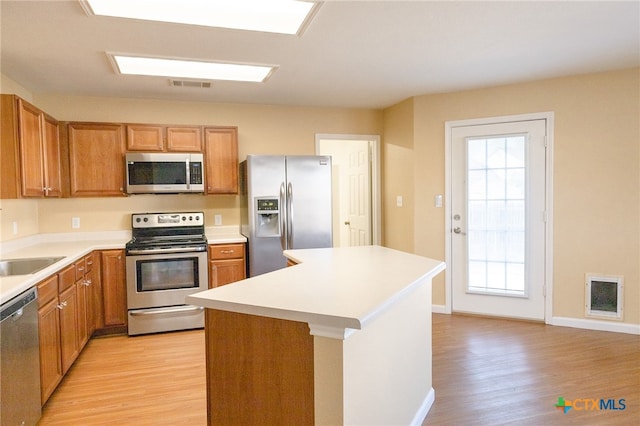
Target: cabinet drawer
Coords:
[[67, 277], [80, 269], [226, 251], [47, 290], [88, 262]]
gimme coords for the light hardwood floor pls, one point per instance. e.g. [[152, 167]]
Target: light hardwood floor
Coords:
[[486, 372]]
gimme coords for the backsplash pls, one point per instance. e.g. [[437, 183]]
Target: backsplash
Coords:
[[44, 216]]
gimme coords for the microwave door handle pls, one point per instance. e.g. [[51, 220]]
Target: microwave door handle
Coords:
[[188, 174]]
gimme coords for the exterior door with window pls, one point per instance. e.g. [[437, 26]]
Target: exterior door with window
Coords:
[[498, 219]]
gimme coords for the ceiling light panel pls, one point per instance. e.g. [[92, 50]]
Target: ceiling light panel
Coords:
[[179, 68], [275, 16]]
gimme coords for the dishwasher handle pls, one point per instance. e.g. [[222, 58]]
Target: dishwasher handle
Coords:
[[14, 309]]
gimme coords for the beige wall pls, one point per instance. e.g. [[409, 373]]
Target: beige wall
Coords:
[[596, 176], [397, 176]]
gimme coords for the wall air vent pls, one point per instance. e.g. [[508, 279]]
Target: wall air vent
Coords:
[[604, 296], [190, 83]]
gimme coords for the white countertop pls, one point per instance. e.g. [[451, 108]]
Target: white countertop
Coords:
[[73, 246], [71, 250], [333, 287]]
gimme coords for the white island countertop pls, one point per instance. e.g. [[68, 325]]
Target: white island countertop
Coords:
[[332, 288]]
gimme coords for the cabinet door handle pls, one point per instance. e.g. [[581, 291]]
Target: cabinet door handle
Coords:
[[87, 283], [226, 251]]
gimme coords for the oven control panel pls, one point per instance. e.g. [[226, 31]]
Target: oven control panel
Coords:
[[167, 220]]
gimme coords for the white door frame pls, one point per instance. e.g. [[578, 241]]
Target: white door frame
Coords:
[[449, 125], [376, 199]]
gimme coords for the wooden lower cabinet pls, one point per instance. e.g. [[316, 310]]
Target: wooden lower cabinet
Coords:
[[58, 323], [86, 285], [71, 309], [69, 327], [114, 291], [227, 264], [49, 331]]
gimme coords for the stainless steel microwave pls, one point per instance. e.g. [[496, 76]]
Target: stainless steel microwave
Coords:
[[164, 173]]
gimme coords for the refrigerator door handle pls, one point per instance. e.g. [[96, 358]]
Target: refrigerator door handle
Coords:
[[283, 223], [289, 216]]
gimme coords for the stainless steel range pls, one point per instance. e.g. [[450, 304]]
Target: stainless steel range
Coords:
[[166, 261]]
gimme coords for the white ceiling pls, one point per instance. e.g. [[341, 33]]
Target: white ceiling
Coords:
[[353, 54]]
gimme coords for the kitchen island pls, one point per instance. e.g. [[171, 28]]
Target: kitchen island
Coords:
[[342, 337]]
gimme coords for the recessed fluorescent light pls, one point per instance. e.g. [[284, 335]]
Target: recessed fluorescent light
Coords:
[[276, 16], [190, 69]]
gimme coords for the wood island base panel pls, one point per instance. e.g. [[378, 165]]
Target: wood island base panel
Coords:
[[258, 366], [341, 337]]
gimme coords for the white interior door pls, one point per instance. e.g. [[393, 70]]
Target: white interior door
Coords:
[[358, 172], [352, 188], [498, 219]]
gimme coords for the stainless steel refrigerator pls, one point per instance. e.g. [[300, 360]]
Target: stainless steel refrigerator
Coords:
[[285, 204]]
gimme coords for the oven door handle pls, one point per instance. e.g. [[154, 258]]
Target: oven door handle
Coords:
[[176, 310], [167, 250]]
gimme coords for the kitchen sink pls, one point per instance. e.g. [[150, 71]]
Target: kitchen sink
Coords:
[[26, 266]]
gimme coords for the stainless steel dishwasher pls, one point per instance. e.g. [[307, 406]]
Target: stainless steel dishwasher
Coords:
[[20, 361]]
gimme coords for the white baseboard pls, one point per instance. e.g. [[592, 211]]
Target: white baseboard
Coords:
[[424, 408], [589, 324], [439, 309]]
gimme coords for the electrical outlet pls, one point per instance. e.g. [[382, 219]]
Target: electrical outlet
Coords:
[[75, 222], [399, 201], [217, 219], [15, 228]]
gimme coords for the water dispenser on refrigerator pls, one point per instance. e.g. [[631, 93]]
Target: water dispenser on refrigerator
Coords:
[[267, 217]]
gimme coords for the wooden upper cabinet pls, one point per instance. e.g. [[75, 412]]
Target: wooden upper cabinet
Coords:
[[184, 139], [221, 160], [144, 138], [96, 159], [53, 158], [154, 138], [31, 150], [31, 156]]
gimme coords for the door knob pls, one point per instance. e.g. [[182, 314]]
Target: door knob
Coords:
[[346, 222], [458, 230]]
